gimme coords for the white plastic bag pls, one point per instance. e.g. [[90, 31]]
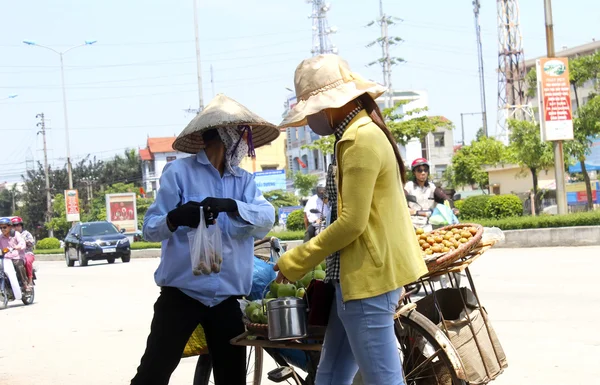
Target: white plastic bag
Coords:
[[206, 249], [492, 234]]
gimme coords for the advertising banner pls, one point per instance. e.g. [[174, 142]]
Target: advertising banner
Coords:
[[270, 180], [554, 93], [285, 211], [72, 205], [121, 210]]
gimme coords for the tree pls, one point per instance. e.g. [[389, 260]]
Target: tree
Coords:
[[581, 70], [528, 150], [280, 198], [467, 167], [586, 125], [325, 144], [305, 182], [408, 126], [58, 224]]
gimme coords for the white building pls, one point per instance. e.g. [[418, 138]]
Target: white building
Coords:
[[437, 147], [158, 152]]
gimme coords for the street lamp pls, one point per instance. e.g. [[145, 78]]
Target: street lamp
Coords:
[[64, 93]]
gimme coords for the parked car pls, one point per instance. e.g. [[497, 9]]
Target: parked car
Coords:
[[94, 241]]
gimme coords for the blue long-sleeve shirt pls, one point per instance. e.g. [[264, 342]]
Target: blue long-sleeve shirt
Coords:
[[193, 179]]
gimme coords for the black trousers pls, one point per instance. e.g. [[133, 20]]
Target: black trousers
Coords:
[[176, 316]]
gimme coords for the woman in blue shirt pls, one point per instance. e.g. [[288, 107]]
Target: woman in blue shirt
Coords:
[[220, 137]]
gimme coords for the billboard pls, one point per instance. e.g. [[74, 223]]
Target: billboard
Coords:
[[72, 205], [554, 93], [285, 211], [121, 210], [270, 180]]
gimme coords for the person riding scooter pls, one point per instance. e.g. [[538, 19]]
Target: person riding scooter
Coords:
[[17, 223], [427, 194], [315, 213], [13, 247]]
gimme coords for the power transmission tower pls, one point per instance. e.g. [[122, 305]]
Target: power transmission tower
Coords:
[[42, 125], [321, 31], [476, 7], [29, 160], [512, 101], [386, 60]]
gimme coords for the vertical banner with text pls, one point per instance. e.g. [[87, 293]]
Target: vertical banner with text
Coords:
[[554, 93], [72, 205]]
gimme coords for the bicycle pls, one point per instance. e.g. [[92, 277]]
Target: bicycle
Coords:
[[427, 354]]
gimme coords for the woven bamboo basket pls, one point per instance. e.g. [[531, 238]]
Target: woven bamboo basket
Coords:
[[449, 258]]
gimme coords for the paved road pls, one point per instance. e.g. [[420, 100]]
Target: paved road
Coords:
[[89, 325]]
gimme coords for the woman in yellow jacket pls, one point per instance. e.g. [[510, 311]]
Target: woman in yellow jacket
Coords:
[[370, 245]]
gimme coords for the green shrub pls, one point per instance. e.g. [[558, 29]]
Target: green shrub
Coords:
[[503, 206], [288, 235], [48, 243], [145, 245], [459, 204], [543, 221], [474, 207], [295, 221]]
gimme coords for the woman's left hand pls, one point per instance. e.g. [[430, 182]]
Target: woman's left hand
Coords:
[[280, 277]]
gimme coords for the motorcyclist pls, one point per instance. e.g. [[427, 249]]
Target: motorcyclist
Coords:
[[315, 210], [13, 249], [427, 194], [17, 223]]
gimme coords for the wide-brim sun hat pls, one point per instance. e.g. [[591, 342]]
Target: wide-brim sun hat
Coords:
[[326, 81], [223, 111]]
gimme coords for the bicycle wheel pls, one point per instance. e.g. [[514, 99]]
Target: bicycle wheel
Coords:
[[254, 366], [424, 361]]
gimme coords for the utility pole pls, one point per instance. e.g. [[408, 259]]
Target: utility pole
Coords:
[[476, 7], [559, 163], [42, 125], [199, 67], [462, 124], [386, 60]]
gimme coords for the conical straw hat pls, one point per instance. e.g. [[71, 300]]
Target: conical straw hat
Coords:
[[224, 111]]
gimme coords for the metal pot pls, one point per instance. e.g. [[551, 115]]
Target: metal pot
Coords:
[[287, 318]]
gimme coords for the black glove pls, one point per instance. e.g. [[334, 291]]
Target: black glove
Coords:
[[214, 206], [185, 215]]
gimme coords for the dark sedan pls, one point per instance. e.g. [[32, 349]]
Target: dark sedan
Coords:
[[94, 241]]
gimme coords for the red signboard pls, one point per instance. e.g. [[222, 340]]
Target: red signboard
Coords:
[[582, 196]]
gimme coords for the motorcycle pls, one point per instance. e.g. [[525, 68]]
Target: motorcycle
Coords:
[[6, 291]]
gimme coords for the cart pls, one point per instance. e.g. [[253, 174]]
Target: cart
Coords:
[[445, 337]]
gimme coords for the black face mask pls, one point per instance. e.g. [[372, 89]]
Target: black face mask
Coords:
[[210, 135]]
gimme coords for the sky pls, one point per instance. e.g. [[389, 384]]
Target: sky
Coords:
[[140, 76]]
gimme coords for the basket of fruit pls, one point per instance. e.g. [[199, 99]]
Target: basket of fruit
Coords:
[[445, 245], [255, 312]]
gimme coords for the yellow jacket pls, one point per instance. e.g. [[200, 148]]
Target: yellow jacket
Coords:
[[373, 231]]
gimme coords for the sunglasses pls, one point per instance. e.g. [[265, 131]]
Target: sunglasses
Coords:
[[421, 169], [4, 227]]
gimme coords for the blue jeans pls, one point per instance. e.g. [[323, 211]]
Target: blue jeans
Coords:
[[360, 335]]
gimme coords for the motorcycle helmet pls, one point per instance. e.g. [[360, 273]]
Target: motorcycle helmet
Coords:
[[419, 162], [17, 221], [5, 221]]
